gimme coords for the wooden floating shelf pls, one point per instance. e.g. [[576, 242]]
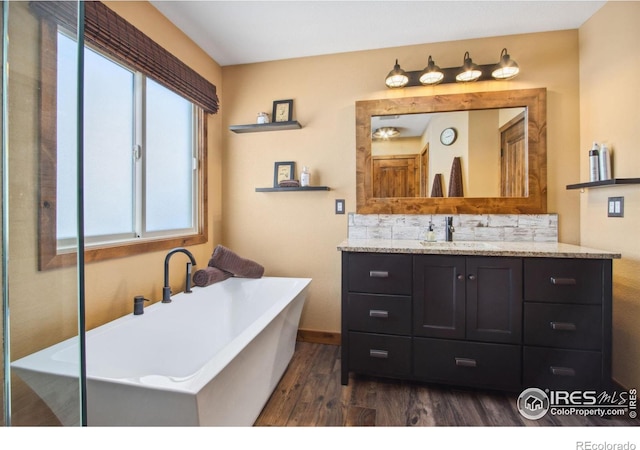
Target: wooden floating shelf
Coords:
[[272, 126], [287, 189], [603, 183]]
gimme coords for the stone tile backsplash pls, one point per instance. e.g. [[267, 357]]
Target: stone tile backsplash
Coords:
[[468, 227]]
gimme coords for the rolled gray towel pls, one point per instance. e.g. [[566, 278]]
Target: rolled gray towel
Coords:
[[225, 259], [209, 275]]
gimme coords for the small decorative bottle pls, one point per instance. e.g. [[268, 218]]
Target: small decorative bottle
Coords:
[[431, 235], [605, 162], [594, 163], [263, 117], [304, 176]]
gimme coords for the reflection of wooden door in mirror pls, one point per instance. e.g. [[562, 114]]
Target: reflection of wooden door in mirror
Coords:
[[395, 176], [513, 159], [424, 171]]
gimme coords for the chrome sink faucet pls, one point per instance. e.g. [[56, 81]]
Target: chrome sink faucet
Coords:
[[448, 229], [166, 290]]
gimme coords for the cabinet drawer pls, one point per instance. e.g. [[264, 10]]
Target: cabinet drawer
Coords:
[[378, 354], [563, 280], [566, 326], [379, 313], [562, 369], [379, 273], [467, 363]]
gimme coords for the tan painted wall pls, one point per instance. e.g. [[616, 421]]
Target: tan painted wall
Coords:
[[441, 156], [296, 233], [610, 112], [43, 304], [484, 155]]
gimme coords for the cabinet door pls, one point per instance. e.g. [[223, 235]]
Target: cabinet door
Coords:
[[438, 296], [494, 299]]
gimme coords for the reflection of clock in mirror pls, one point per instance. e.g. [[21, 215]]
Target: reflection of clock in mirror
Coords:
[[448, 136]]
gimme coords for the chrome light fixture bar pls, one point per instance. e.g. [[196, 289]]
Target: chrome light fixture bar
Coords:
[[431, 75]]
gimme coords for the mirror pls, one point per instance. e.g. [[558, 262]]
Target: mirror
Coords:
[[399, 175], [417, 159]]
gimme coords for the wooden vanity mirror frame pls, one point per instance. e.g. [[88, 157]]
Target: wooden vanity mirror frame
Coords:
[[535, 102]]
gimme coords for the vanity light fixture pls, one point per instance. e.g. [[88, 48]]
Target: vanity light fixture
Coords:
[[397, 78], [385, 133], [469, 70], [506, 68], [431, 75]]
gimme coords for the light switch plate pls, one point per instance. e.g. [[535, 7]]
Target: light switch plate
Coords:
[[615, 207], [339, 206]]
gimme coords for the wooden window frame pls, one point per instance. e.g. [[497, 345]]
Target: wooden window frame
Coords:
[[49, 256]]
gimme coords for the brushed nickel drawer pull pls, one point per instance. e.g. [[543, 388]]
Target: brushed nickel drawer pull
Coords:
[[563, 281], [563, 326], [563, 371], [382, 354], [466, 362], [378, 313], [378, 274]]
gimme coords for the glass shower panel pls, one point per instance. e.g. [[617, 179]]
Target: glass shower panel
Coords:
[[4, 363], [41, 308]]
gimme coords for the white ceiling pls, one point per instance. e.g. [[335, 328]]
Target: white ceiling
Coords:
[[239, 32]]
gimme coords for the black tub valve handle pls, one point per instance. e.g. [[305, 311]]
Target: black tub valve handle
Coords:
[[138, 305]]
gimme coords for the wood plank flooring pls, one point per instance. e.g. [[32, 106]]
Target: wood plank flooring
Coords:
[[310, 394]]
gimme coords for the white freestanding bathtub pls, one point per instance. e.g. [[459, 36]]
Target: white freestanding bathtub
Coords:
[[212, 357]]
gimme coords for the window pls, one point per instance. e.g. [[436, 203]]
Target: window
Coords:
[[139, 150], [144, 160]]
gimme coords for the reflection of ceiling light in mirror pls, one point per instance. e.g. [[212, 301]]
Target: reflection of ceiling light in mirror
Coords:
[[385, 133]]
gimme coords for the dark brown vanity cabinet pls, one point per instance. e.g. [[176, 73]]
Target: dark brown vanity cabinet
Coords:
[[567, 323], [471, 298], [376, 324], [496, 322], [462, 308]]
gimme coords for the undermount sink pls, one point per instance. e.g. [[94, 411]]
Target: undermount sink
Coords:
[[459, 244]]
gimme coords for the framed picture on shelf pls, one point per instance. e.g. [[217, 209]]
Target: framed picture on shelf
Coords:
[[283, 170], [282, 111]]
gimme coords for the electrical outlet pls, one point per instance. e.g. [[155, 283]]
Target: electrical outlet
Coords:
[[339, 206], [615, 207]]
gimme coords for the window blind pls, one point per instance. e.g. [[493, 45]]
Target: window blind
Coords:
[[113, 35]]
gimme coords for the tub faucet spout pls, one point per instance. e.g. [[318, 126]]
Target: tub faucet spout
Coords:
[[166, 290]]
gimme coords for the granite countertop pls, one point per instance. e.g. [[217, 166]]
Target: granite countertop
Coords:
[[480, 248]]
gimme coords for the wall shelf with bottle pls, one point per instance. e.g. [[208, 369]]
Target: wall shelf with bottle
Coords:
[[287, 189], [604, 183], [272, 126]]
